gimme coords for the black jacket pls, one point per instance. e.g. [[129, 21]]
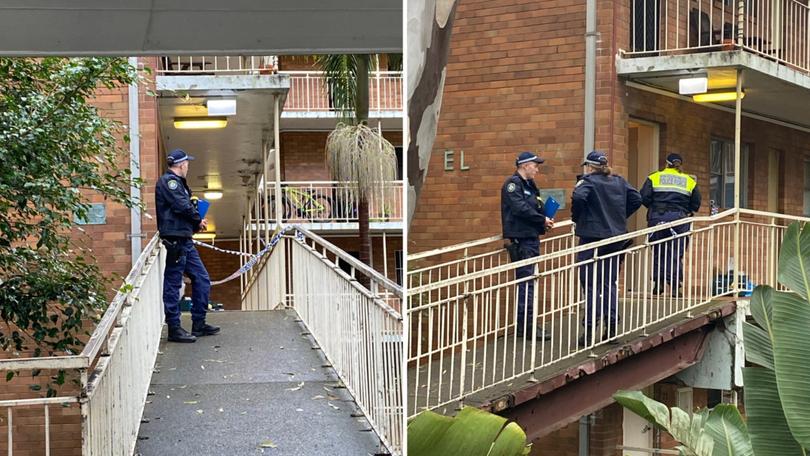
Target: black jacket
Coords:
[[176, 215], [601, 205], [521, 209]]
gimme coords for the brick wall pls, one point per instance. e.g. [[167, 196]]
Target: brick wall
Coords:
[[564, 442], [303, 154], [110, 242], [514, 82], [219, 266]]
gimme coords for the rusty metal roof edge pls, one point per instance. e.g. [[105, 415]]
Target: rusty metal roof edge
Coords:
[[612, 357]]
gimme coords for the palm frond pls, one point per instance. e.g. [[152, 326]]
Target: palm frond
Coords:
[[361, 156]]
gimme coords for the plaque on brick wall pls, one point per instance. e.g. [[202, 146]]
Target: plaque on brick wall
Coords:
[[96, 215], [557, 193]]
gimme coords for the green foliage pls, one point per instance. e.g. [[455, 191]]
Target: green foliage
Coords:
[[55, 150], [776, 381], [472, 432]]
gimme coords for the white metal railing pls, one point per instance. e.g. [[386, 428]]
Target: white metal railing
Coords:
[[358, 328], [114, 368], [777, 29], [463, 300], [333, 202], [309, 91], [233, 64]]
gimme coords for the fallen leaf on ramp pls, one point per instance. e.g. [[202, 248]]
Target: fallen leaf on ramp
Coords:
[[300, 385], [268, 444]]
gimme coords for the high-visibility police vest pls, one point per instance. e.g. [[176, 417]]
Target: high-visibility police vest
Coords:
[[672, 180]]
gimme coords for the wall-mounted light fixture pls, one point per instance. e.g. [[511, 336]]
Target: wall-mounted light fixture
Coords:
[[691, 86], [221, 107]]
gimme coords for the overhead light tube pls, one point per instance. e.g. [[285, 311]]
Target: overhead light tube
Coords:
[[199, 123], [716, 96]]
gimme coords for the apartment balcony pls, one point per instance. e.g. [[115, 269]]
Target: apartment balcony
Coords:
[[308, 99], [330, 206], [769, 40]]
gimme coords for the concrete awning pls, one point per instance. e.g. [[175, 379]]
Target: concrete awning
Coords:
[[227, 159], [160, 27], [772, 91]]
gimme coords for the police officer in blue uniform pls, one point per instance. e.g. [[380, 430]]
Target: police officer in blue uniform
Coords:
[[523, 222], [178, 219], [669, 194], [601, 203]]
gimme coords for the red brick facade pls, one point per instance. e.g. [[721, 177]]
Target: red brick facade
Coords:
[[515, 81]]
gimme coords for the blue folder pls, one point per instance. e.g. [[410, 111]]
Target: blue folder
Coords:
[[550, 207], [202, 207]]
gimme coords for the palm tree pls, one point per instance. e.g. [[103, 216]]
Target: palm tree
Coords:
[[355, 152]]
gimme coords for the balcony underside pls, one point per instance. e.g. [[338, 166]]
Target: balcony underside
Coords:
[[143, 27], [773, 91]]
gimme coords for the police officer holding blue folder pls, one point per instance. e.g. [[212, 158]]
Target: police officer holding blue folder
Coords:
[[524, 219], [178, 219]]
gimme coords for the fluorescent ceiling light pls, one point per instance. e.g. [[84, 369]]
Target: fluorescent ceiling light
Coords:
[[717, 96], [221, 107], [691, 86], [212, 194], [195, 123], [204, 236]]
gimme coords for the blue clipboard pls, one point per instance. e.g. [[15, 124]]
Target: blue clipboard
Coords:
[[550, 207], [202, 207]]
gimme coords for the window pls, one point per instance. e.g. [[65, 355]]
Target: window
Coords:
[[721, 173], [399, 265], [807, 188]]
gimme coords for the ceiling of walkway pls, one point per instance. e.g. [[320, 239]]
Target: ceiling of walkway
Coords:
[[149, 27]]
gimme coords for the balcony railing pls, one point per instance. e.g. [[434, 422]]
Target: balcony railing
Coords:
[[113, 371], [308, 89], [776, 29], [463, 300], [235, 64], [333, 202]]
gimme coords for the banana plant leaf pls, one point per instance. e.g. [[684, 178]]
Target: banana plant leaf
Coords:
[[472, 432]]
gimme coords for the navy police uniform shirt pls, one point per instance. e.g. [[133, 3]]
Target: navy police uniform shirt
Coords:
[[521, 209], [601, 204], [177, 217]]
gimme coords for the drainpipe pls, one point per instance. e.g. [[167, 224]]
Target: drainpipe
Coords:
[[590, 76], [584, 434], [135, 234]]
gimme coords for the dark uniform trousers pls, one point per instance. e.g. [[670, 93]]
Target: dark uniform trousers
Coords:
[[181, 258], [668, 255], [527, 248], [598, 279]]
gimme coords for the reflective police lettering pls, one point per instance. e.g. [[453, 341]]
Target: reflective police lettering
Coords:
[[671, 179]]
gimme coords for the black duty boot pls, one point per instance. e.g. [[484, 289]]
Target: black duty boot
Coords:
[[658, 288], [178, 334], [201, 328]]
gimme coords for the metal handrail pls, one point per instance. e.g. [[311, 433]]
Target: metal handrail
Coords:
[[349, 321], [468, 316]]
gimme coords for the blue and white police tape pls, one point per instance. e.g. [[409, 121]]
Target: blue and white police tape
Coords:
[[254, 259], [231, 252]]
